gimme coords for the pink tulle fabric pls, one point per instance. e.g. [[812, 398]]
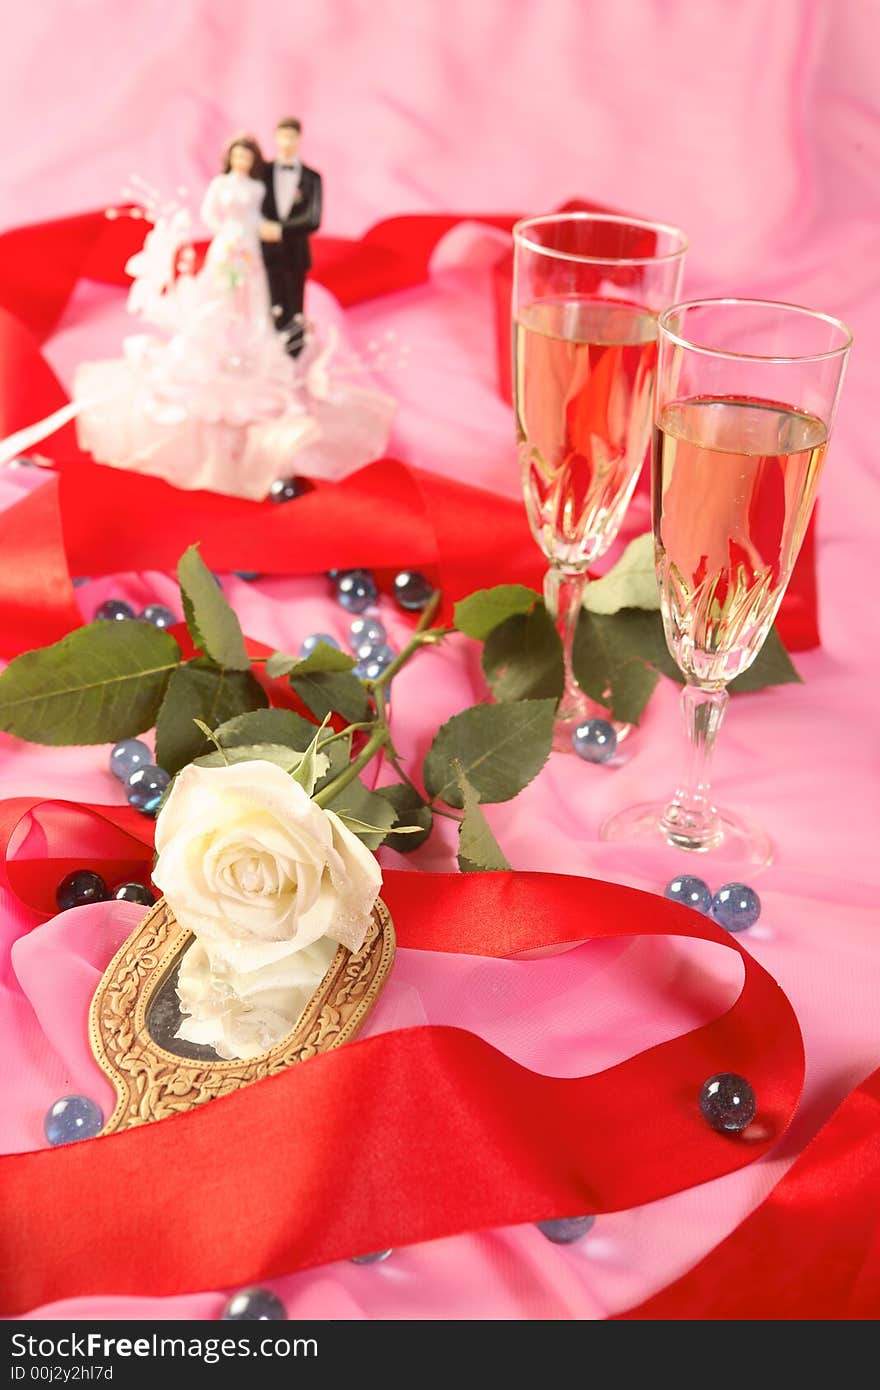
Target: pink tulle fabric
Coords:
[[759, 135]]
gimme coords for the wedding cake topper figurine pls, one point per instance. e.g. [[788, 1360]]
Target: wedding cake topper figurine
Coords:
[[292, 209], [229, 392]]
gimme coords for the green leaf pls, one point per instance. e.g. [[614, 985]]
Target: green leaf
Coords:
[[101, 683], [633, 634], [478, 850], [522, 658], [657, 648], [279, 664], [337, 751], [313, 764], [615, 659], [200, 690], [212, 624], [310, 770], [208, 732], [367, 807], [632, 687], [631, 583], [286, 758], [500, 748], [324, 683], [267, 726], [323, 658], [324, 691], [284, 727], [482, 611], [411, 810], [361, 829], [772, 666]]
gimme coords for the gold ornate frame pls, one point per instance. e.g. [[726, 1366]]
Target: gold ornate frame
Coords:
[[152, 1082]]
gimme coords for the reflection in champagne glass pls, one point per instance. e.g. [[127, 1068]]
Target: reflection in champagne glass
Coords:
[[735, 485], [584, 379]]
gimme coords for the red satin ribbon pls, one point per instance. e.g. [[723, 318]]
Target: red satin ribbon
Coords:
[[404, 1137], [385, 516], [381, 512]]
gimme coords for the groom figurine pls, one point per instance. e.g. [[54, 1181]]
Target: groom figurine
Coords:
[[291, 209]]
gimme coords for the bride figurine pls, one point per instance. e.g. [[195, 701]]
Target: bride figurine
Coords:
[[211, 398]]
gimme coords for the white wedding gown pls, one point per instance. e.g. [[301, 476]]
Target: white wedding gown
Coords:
[[219, 404]]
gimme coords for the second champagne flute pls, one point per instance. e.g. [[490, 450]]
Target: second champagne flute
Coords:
[[747, 392], [587, 291]]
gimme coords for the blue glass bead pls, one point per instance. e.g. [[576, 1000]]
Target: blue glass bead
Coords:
[[356, 590], [254, 1305], [246, 574], [366, 632], [381, 655], [72, 1118], [309, 644], [565, 1230], [128, 755], [114, 610], [159, 615], [736, 906], [367, 650], [369, 669], [285, 489], [375, 1259], [412, 590], [728, 1102], [134, 893], [693, 892], [595, 741], [146, 787], [81, 887]]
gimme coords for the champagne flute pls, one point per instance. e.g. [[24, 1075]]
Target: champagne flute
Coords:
[[746, 396], [587, 290]]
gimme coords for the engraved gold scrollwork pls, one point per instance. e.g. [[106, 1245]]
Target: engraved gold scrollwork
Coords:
[[152, 1083]]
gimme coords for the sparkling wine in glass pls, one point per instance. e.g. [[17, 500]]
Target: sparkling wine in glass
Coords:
[[587, 291], [746, 395]]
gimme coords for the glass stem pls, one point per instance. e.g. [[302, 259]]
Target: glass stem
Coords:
[[563, 591], [690, 821]]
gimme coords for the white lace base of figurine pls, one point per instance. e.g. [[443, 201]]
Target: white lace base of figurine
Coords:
[[123, 425]]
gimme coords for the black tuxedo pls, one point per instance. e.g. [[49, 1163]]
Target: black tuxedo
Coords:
[[288, 260]]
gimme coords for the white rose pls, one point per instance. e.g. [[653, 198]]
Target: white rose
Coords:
[[258, 872]]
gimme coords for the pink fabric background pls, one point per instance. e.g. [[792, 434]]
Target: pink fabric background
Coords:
[[755, 125]]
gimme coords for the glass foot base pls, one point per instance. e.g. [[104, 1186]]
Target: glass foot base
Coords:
[[739, 844], [577, 710]]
